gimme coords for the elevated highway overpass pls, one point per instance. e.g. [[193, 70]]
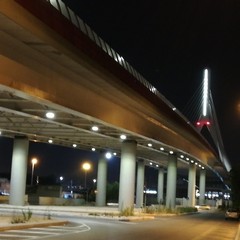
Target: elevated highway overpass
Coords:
[[48, 64]]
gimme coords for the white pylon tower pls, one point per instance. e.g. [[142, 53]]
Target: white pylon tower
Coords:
[[204, 117], [208, 118]]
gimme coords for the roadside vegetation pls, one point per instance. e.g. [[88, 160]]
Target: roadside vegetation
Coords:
[[163, 210], [22, 217]]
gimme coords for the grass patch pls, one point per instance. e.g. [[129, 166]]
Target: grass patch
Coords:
[[126, 212], [105, 214], [24, 217], [47, 214], [164, 210]]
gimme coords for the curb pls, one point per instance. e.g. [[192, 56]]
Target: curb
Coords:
[[31, 225], [136, 218]]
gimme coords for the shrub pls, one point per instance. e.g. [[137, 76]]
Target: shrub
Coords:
[[26, 216], [127, 212], [164, 210]]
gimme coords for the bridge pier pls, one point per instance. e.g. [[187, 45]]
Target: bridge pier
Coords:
[[171, 181], [202, 186], [160, 185], [140, 183], [101, 181], [127, 175], [19, 171], [191, 185]]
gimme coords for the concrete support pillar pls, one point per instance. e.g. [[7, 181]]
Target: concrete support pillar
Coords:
[[191, 185], [101, 181], [171, 181], [140, 183], [127, 175], [19, 171], [160, 185], [202, 186]]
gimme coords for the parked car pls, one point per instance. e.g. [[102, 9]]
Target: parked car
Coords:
[[232, 213]]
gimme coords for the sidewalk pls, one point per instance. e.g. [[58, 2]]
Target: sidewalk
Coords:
[[39, 218], [59, 210]]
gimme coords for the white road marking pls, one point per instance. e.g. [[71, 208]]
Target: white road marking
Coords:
[[41, 233], [16, 236]]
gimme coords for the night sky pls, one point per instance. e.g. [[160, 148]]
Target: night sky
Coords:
[[169, 43]]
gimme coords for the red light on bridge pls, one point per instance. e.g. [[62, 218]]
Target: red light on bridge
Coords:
[[198, 123], [202, 123]]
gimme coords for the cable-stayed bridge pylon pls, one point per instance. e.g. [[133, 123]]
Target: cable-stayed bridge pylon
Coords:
[[201, 112]]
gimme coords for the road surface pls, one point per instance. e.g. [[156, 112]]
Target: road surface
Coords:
[[206, 225]]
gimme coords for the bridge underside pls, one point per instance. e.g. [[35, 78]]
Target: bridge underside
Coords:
[[41, 70]]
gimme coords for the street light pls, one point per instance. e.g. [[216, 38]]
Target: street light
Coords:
[[86, 167], [34, 161]]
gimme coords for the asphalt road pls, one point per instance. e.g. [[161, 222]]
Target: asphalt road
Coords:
[[206, 225]]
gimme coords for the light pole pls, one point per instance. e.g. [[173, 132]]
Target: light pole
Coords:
[[34, 161], [86, 167]]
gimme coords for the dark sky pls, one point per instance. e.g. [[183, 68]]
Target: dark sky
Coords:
[[171, 42]]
